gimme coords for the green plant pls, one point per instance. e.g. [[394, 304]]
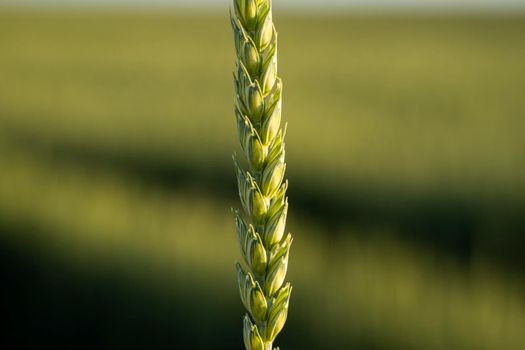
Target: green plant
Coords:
[[261, 188]]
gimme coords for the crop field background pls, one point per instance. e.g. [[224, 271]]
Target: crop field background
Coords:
[[406, 162]]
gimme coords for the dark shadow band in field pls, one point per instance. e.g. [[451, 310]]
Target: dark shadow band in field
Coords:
[[456, 225]]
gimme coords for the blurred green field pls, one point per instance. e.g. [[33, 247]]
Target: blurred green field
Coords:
[[417, 104], [406, 164]]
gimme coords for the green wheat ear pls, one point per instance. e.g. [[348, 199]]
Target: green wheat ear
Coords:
[[262, 191]]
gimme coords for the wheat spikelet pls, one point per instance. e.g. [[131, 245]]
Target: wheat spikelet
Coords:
[[262, 191]]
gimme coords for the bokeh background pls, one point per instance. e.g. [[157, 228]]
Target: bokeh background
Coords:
[[406, 162]]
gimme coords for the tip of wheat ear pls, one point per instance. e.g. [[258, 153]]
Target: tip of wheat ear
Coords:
[[262, 189]]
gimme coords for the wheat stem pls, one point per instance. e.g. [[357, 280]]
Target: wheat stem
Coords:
[[262, 191]]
